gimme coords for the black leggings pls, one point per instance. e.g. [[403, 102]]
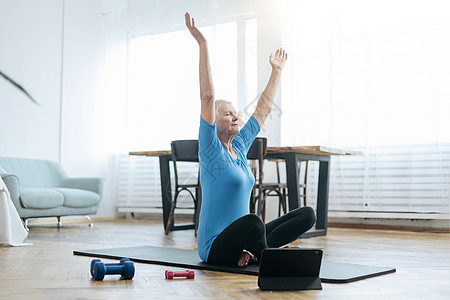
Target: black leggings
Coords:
[[250, 233]]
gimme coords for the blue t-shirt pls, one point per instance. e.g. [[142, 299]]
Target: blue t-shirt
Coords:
[[226, 182]]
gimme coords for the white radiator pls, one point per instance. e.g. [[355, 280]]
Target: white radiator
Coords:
[[408, 180], [139, 188]]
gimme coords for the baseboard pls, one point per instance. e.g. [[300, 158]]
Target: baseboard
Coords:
[[157, 217], [69, 220], [389, 227]]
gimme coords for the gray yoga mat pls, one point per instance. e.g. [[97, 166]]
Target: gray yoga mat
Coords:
[[184, 258]]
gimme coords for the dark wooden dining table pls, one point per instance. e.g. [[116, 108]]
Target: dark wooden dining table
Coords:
[[291, 156]]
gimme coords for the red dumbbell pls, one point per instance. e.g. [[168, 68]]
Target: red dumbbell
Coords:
[[189, 274]]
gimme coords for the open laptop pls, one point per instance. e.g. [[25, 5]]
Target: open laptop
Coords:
[[290, 269]]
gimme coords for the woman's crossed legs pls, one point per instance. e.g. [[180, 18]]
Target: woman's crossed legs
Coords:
[[250, 234]]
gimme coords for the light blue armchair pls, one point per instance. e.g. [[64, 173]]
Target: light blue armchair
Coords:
[[41, 188]]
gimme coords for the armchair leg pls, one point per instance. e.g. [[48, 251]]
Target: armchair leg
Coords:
[[91, 224], [59, 221], [25, 224]]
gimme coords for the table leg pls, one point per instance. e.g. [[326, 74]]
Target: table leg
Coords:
[[322, 196], [292, 181], [166, 191], [322, 202]]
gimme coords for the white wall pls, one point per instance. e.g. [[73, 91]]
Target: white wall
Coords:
[[36, 37], [30, 53], [83, 58], [83, 94]]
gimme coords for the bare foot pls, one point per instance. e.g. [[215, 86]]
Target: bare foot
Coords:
[[245, 258]]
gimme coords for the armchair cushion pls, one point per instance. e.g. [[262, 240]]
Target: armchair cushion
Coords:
[[78, 198], [40, 198], [92, 184]]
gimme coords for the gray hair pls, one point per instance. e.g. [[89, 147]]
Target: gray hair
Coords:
[[218, 103]]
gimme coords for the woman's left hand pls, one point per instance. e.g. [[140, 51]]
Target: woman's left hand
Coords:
[[190, 24], [277, 62]]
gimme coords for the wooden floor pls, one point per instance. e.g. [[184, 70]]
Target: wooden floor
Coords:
[[49, 270]]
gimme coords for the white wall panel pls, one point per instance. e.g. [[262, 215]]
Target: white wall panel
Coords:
[[30, 53]]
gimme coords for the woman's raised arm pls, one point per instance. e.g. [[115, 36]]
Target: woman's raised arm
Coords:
[[265, 102], [206, 84]]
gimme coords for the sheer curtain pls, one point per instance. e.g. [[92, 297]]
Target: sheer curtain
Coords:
[[372, 76]]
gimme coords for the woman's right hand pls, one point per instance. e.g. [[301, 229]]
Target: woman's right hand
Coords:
[[194, 30]]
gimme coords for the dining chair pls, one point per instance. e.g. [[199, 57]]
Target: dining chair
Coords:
[[302, 181], [185, 151], [261, 189]]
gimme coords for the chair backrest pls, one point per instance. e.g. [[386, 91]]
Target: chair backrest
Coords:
[[184, 151], [258, 151]]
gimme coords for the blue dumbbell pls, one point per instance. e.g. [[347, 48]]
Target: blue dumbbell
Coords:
[[125, 268], [98, 260]]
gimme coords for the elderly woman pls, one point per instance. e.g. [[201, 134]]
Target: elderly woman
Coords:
[[228, 234]]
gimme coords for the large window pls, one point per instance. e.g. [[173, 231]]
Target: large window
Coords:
[[164, 98], [367, 73], [164, 94], [373, 76]]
